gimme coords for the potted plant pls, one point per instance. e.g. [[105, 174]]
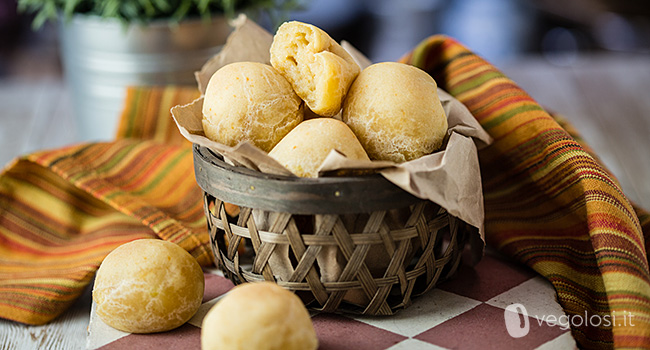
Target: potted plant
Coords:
[[107, 45]]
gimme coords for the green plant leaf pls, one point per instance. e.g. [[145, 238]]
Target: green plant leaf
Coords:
[[182, 10], [145, 10], [148, 7], [163, 5]]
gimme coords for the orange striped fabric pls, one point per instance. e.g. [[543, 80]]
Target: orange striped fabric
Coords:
[[62, 211], [146, 114], [550, 204]]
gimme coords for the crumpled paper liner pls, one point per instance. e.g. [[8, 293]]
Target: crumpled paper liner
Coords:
[[449, 177]]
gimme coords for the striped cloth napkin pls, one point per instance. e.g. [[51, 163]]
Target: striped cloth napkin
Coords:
[[549, 203], [62, 211]]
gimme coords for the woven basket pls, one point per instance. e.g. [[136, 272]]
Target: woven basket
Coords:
[[351, 244]]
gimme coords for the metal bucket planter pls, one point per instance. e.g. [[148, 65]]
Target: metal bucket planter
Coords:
[[101, 58]]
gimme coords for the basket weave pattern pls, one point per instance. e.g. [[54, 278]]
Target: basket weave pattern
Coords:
[[421, 251]]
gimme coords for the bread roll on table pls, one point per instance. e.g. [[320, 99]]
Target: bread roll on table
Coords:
[[260, 316], [249, 101], [395, 111], [317, 67], [147, 286]]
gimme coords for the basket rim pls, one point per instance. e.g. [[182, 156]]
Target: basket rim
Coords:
[[280, 193], [210, 156]]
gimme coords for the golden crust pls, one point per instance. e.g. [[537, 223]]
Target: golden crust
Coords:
[[147, 286], [303, 150], [395, 111], [261, 316], [249, 101]]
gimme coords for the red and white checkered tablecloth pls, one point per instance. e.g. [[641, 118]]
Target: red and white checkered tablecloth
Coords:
[[466, 312]]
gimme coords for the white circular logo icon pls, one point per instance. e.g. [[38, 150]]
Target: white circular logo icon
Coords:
[[517, 322]]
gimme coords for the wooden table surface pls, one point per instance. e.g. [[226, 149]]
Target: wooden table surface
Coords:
[[606, 97]]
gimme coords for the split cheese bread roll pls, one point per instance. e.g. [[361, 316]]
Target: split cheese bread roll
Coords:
[[395, 111], [317, 67], [249, 101]]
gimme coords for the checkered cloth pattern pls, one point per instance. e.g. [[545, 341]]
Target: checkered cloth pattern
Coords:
[[466, 312]]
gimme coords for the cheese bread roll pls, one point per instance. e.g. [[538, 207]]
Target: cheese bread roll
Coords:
[[305, 148], [249, 101], [317, 67], [395, 111]]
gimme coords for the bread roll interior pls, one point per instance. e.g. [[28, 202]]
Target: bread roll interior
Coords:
[[317, 67]]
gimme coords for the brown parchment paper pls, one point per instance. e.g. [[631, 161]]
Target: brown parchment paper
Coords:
[[449, 177]]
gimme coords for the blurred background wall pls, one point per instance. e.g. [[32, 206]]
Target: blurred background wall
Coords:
[[499, 30]]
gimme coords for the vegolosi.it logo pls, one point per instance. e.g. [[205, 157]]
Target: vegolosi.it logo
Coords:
[[518, 322]]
